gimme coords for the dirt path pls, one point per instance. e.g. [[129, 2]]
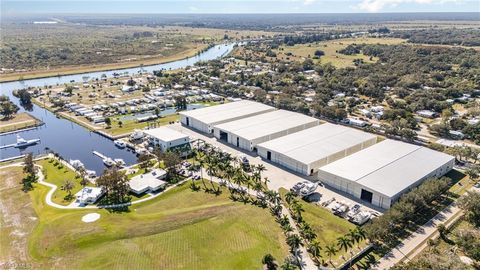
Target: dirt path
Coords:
[[17, 220]]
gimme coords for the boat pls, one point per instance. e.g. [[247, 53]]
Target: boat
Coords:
[[119, 162], [141, 151], [108, 162], [21, 142], [77, 164], [120, 143], [137, 135], [91, 174], [362, 217]]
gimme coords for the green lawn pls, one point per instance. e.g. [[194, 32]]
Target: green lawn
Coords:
[[180, 229], [131, 125], [326, 225], [56, 174]]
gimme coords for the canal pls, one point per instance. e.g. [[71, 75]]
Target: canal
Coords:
[[71, 140]]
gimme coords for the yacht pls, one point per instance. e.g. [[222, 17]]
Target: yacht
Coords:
[[120, 143], [21, 142], [77, 164], [91, 174], [119, 162], [108, 162]]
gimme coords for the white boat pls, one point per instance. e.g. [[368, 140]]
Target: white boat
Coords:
[[21, 142], [108, 162], [119, 162], [137, 135], [77, 164], [91, 174], [308, 189], [120, 143], [362, 217], [141, 151]]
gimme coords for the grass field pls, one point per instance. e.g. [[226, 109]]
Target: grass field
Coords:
[[57, 174], [181, 229], [131, 125], [326, 225], [330, 48], [17, 122]]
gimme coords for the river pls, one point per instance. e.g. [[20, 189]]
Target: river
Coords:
[[71, 140]]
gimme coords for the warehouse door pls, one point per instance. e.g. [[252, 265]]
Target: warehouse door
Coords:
[[238, 142], [366, 196], [269, 155], [223, 136], [188, 121]]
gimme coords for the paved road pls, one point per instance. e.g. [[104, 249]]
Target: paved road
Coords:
[[414, 244]]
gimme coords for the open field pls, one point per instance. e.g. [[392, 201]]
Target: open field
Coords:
[[56, 173], [300, 52], [17, 218], [17, 122], [180, 229], [131, 125], [33, 51]]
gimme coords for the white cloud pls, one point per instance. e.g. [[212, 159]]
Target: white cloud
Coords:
[[377, 5], [308, 2]]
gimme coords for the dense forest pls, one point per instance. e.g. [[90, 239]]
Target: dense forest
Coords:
[[464, 37]]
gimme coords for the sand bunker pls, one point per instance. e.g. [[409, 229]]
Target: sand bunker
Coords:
[[90, 217]]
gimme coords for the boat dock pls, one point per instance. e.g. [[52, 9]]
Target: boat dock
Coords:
[[99, 155], [8, 146]]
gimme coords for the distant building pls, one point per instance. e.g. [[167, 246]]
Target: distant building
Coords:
[[427, 114]]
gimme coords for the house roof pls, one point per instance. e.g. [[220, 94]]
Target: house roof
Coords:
[[148, 181], [165, 134]]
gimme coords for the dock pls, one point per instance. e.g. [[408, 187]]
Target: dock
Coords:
[[99, 155], [8, 146]]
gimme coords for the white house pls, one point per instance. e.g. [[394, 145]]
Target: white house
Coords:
[[89, 195], [166, 138], [148, 182]]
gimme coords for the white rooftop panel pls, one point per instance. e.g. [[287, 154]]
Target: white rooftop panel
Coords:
[[224, 112], [403, 173], [368, 160], [165, 134], [265, 124], [317, 142]]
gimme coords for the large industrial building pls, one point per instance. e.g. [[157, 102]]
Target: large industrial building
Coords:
[[308, 150], [381, 173], [205, 118], [166, 138], [246, 133]]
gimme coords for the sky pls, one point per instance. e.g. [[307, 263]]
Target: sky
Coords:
[[236, 6]]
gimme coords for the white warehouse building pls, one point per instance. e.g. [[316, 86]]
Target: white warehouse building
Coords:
[[205, 118], [308, 150], [246, 133], [166, 138], [380, 174]]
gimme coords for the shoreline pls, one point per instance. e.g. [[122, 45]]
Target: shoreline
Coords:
[[99, 68]]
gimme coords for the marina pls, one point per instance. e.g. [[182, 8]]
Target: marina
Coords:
[[70, 140]]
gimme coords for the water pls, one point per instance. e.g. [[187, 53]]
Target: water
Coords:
[[72, 141]]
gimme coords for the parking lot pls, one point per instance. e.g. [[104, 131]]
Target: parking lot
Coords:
[[279, 177]]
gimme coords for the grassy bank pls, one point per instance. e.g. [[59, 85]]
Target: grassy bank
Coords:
[[130, 125], [17, 122], [69, 70]]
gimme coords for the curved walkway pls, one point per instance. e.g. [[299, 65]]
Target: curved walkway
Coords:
[[53, 188]]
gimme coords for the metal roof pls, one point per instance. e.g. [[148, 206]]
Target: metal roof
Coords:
[[265, 124], [318, 142], [224, 112], [165, 134], [389, 167]]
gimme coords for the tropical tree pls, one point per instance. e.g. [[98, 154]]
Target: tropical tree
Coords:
[[314, 248], [330, 250], [68, 187], [115, 184], [294, 241], [269, 261], [289, 197], [344, 242]]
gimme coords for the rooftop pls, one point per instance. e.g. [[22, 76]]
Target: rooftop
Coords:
[[224, 112], [318, 142], [388, 167], [165, 134], [148, 181], [265, 124]]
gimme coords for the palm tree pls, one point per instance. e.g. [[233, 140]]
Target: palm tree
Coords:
[[269, 261], [354, 237], [314, 248], [344, 242], [68, 186], [330, 250], [294, 241], [289, 196], [260, 168]]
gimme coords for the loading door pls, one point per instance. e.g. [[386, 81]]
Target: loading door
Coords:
[[366, 196], [269, 155]]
